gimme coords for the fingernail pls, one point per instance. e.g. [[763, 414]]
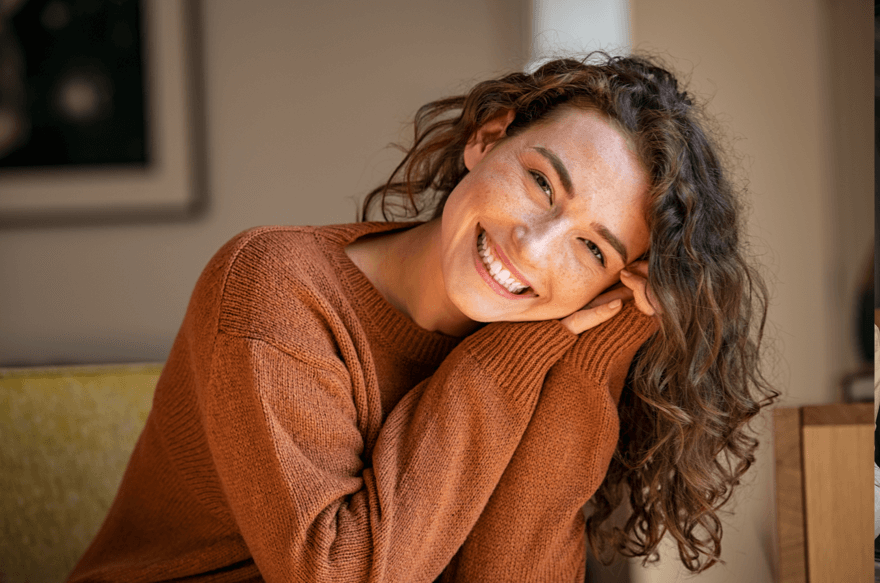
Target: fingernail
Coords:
[[613, 304], [625, 272]]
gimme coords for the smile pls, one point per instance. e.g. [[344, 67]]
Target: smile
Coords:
[[499, 271]]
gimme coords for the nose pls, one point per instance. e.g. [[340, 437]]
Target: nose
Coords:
[[538, 243]]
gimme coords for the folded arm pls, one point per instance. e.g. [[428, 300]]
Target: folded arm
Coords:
[[533, 528], [314, 505]]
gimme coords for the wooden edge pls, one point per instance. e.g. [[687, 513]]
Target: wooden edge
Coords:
[[839, 414], [790, 522]]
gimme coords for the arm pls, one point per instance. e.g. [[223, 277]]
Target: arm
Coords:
[[312, 504], [532, 528]]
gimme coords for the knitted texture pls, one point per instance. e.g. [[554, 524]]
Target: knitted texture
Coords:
[[303, 429], [533, 527]]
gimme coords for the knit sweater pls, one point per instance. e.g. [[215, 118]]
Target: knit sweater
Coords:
[[303, 429]]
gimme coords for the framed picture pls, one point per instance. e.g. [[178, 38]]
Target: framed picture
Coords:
[[100, 118]]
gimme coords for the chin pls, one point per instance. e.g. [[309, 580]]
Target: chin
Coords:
[[471, 312], [486, 314], [472, 308]]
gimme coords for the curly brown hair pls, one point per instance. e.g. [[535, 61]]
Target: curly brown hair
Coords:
[[696, 383]]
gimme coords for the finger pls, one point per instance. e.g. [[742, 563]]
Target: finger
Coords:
[[633, 281], [641, 293], [622, 293], [639, 271], [638, 268], [585, 319]]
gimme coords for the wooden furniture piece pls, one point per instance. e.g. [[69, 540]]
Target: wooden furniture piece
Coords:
[[824, 498]]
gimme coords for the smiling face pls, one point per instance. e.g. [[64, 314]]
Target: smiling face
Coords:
[[559, 208]]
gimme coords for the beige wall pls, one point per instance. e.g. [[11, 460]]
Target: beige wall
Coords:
[[302, 98], [791, 82]]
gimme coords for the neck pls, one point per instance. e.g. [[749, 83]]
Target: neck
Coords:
[[405, 267]]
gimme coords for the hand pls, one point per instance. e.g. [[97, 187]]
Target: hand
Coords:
[[635, 277], [601, 309], [633, 285]]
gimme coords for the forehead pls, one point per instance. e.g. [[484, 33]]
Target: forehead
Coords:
[[590, 147]]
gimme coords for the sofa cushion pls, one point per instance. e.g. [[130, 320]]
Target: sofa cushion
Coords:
[[66, 435]]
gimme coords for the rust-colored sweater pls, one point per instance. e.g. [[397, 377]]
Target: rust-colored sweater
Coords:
[[303, 429]]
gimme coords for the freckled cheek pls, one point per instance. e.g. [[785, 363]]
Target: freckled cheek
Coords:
[[577, 295], [498, 194], [575, 287]]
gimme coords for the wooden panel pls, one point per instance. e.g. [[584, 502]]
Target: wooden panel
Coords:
[[838, 498], [790, 527], [839, 414]]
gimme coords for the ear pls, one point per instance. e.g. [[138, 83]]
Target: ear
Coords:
[[486, 136]]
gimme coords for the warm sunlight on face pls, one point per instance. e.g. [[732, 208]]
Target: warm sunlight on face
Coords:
[[544, 221]]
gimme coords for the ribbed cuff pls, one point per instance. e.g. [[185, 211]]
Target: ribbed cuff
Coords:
[[517, 354], [621, 336]]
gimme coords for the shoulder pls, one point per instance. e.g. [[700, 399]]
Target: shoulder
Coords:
[[252, 247], [279, 279], [264, 256], [298, 255], [280, 284], [264, 243], [251, 260], [270, 283]]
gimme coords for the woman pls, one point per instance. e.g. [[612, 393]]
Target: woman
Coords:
[[399, 402]]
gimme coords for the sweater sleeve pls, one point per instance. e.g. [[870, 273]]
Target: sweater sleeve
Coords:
[[533, 527], [311, 505]]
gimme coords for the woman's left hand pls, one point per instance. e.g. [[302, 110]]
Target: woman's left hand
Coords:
[[635, 277], [633, 286]]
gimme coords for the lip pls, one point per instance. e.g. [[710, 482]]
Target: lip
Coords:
[[490, 281], [506, 263]]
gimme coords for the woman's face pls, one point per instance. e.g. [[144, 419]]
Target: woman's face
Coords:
[[559, 208]]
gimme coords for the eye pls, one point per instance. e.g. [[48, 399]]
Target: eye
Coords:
[[596, 251], [543, 184]]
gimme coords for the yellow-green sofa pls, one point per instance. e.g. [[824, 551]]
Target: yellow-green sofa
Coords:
[[65, 438]]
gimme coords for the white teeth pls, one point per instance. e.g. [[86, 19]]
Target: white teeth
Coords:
[[496, 269]]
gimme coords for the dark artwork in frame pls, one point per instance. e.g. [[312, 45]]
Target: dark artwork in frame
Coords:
[[72, 91], [101, 112]]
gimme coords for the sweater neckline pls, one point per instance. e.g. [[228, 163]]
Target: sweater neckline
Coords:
[[396, 329]]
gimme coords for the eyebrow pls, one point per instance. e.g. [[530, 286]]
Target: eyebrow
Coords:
[[565, 178], [612, 240], [559, 167]]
